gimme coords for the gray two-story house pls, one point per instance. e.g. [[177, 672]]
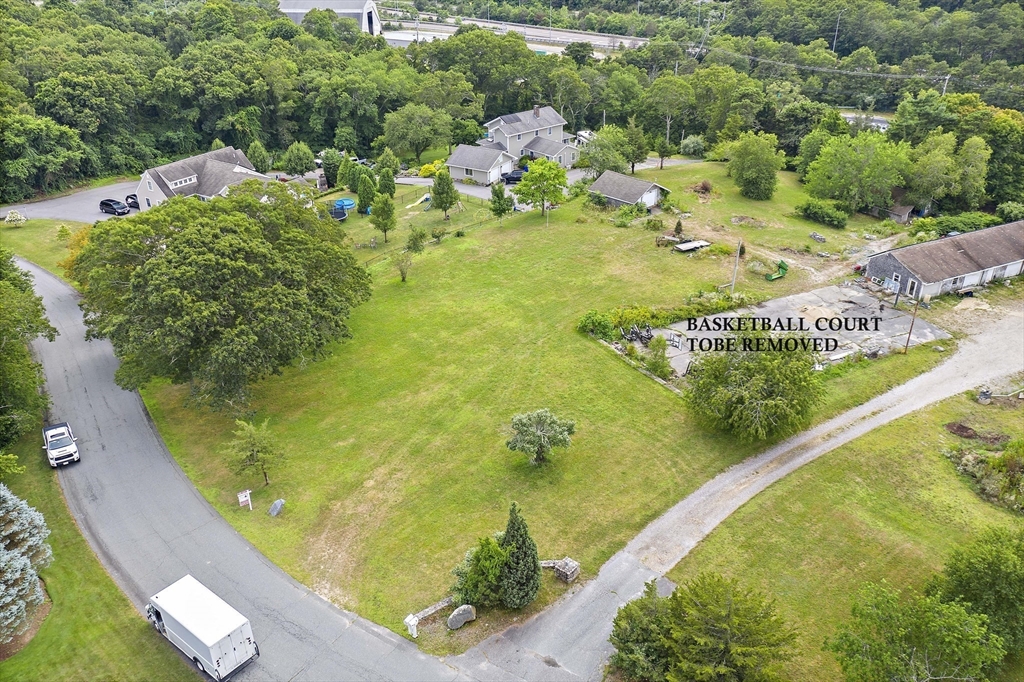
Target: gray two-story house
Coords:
[[538, 134]]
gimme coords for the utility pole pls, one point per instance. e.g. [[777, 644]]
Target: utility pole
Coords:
[[912, 320], [835, 38]]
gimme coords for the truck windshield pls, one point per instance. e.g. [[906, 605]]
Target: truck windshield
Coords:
[[61, 442]]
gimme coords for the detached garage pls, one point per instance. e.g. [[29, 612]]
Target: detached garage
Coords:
[[621, 189], [951, 264], [482, 165]]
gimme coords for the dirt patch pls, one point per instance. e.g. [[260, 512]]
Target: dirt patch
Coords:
[[746, 220], [964, 431], [35, 622]]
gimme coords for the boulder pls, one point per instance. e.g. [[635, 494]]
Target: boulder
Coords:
[[275, 508], [461, 616]]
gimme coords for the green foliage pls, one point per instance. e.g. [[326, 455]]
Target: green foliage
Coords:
[[598, 324], [604, 152], [668, 97], [520, 574], [1010, 211], [822, 212], [22, 319], [367, 191], [478, 577], [38, 154], [861, 171], [656, 361], [415, 128], [912, 638], [417, 240], [654, 225], [754, 394], [254, 447], [753, 164], [267, 282], [692, 145], [438, 233], [355, 173], [640, 633], [627, 213], [217, 144], [635, 145], [332, 166], [719, 631], [386, 183], [383, 215], [23, 553], [403, 263], [501, 203], [297, 160], [387, 160], [535, 433], [964, 222], [987, 576], [9, 466], [258, 157], [443, 195]]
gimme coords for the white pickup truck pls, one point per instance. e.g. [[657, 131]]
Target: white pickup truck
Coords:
[[59, 443]]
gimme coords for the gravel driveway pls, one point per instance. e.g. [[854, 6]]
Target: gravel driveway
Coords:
[[83, 206]]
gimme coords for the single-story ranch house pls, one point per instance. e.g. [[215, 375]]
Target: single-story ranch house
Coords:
[[951, 263], [205, 175], [482, 165], [621, 189]]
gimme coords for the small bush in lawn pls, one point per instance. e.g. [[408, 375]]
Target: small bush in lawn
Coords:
[[460, 233], [692, 145], [718, 250], [438, 234], [757, 266], [598, 324], [417, 240], [654, 225], [63, 234], [656, 361], [679, 228], [14, 219], [822, 212]]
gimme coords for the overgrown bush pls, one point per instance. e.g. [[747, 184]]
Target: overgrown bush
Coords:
[[963, 222], [692, 145], [580, 188], [628, 213], [438, 234], [598, 324], [478, 577], [1010, 211], [654, 225], [596, 199], [999, 478], [718, 249], [823, 212], [417, 240], [656, 360]]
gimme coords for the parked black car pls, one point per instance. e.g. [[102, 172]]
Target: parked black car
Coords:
[[114, 207], [133, 201], [513, 177]]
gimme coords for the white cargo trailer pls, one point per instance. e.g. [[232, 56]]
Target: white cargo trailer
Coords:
[[217, 638]]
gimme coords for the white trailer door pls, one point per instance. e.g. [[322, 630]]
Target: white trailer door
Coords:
[[228, 657]]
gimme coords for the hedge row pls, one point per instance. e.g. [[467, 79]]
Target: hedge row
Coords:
[[606, 325], [823, 212]]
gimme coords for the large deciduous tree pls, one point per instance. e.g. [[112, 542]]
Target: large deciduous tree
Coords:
[[860, 171], [23, 553], [520, 574], [636, 147], [22, 319], [754, 163], [219, 294], [754, 391], [415, 128], [605, 151], [669, 96], [37, 153], [544, 183], [896, 637], [535, 433]]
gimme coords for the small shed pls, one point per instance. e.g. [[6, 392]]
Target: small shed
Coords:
[[952, 263], [482, 165], [622, 190]]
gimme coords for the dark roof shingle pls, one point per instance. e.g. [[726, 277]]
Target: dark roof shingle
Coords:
[[477, 158], [525, 121], [622, 187], [963, 254]]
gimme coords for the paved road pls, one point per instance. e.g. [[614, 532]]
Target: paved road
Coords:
[[81, 206], [150, 526], [541, 35], [571, 637]]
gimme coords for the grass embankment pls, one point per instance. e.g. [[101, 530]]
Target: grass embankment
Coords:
[[92, 631], [887, 505], [37, 241], [395, 443]]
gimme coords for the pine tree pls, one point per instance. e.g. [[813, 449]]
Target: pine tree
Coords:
[[444, 195], [331, 164], [23, 552], [388, 160], [367, 191], [258, 157], [355, 172], [386, 184], [520, 577]]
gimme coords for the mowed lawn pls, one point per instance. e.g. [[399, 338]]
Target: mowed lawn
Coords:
[[396, 458], [885, 506], [37, 241], [92, 631]]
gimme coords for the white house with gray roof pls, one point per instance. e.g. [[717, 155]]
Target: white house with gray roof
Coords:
[[205, 175], [621, 189], [482, 165], [538, 134], [363, 12]]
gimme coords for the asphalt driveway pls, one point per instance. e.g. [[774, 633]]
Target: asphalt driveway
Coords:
[[83, 206]]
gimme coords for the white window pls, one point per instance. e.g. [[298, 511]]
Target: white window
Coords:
[[911, 287], [574, 156], [559, 159], [149, 184], [469, 172], [549, 131], [896, 277], [519, 136], [536, 133], [147, 203]]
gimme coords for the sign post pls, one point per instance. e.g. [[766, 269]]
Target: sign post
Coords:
[[243, 499]]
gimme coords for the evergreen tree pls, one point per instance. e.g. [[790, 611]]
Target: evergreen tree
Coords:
[[332, 164], [501, 203], [367, 191], [23, 552], [258, 157], [298, 159], [352, 176], [520, 576], [386, 185], [444, 194], [216, 144], [383, 215], [478, 577], [388, 160], [636, 147]]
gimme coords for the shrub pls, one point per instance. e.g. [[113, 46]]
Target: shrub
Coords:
[[678, 230], [429, 170], [580, 188], [520, 575], [460, 233], [964, 222], [823, 212], [596, 199], [639, 634], [718, 250], [1010, 211], [597, 324], [692, 145], [654, 225], [417, 240], [656, 361], [402, 264], [63, 233], [14, 219], [478, 577], [438, 234]]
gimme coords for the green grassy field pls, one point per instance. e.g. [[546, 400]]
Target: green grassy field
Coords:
[[395, 443], [37, 241], [888, 505], [92, 632]]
